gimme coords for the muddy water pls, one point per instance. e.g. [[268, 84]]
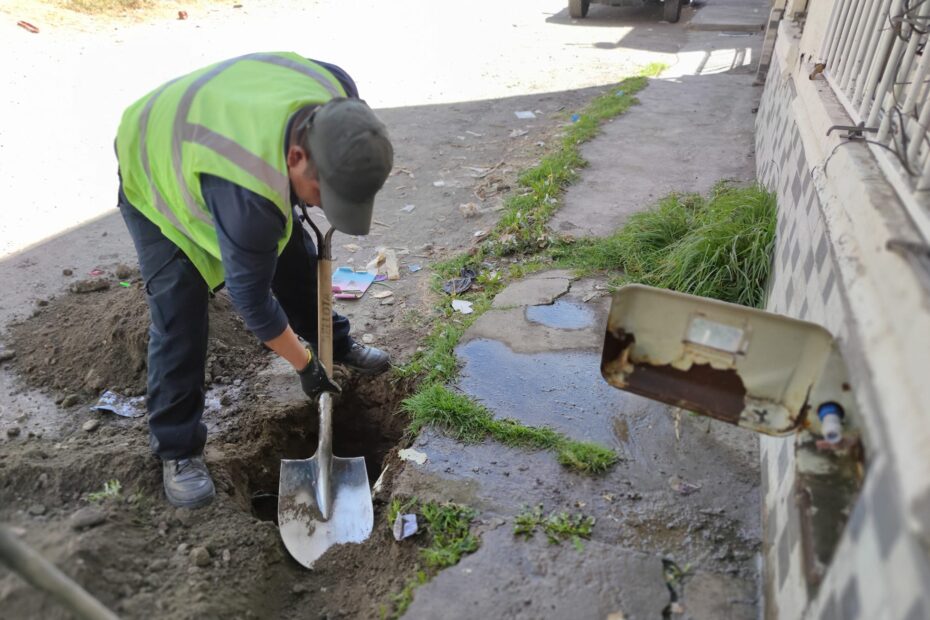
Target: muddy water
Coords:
[[562, 314], [686, 489]]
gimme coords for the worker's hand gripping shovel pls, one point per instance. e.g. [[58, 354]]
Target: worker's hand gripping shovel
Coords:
[[324, 500]]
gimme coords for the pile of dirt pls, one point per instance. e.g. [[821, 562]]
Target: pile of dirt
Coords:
[[89, 342]]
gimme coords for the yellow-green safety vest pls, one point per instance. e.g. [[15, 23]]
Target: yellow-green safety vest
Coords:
[[228, 120]]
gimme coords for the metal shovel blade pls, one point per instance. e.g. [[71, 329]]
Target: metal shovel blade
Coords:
[[324, 500]]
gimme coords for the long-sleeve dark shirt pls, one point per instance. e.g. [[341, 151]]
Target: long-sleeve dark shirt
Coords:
[[249, 228]]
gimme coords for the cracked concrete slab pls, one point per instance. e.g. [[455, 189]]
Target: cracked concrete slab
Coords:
[[538, 289]]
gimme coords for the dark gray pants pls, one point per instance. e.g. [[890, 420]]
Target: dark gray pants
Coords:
[[177, 296]]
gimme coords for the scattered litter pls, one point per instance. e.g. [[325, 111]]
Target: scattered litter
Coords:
[[516, 133], [525, 115], [403, 171], [351, 284], [390, 265], [414, 268], [368, 338], [576, 118], [540, 143], [409, 454], [90, 286], [470, 209], [27, 26], [123, 406], [460, 305], [405, 526], [125, 284], [619, 93], [460, 284], [379, 483], [382, 294], [472, 133], [379, 223], [352, 247], [682, 486], [95, 272], [439, 183], [408, 208]]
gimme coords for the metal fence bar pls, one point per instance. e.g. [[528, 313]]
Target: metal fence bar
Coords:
[[844, 67], [878, 64], [841, 49], [827, 42], [910, 105], [875, 32], [863, 35]]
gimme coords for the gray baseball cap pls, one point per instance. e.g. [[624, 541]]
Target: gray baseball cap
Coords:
[[353, 156]]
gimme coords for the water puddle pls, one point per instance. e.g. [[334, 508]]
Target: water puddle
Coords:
[[560, 389], [562, 314]]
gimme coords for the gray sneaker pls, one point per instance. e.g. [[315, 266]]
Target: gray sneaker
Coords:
[[187, 482], [365, 360]]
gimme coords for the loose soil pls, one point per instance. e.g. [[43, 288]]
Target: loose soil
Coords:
[[144, 560], [85, 343]]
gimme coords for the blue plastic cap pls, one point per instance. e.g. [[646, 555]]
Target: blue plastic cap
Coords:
[[828, 409]]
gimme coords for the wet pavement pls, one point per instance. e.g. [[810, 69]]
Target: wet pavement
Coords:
[[686, 488]]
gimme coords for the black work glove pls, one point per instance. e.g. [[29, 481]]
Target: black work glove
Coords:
[[313, 378]]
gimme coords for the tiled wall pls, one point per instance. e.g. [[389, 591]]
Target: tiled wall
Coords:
[[880, 570]]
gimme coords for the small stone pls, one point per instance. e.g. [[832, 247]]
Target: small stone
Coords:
[[91, 425], [87, 517], [13, 431], [37, 510], [368, 338], [200, 556], [183, 515], [227, 556], [70, 400], [6, 355], [159, 564], [123, 272], [42, 481], [41, 302], [67, 272], [182, 548]]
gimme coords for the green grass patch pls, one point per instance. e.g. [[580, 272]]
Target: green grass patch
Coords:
[[111, 490], [447, 527], [558, 527], [465, 420], [719, 246]]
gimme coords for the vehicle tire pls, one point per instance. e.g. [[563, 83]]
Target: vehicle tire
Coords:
[[671, 10], [578, 8]]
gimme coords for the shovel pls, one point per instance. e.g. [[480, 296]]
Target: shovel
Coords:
[[324, 500]]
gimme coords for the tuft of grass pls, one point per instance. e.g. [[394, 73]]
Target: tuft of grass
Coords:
[[522, 228], [111, 490], [558, 527], [465, 420], [399, 506], [719, 246], [449, 525], [449, 528]]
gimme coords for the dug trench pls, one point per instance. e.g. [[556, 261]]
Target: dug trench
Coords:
[[126, 545]]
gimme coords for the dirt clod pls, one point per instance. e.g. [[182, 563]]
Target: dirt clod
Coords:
[[13, 431], [200, 556], [67, 272], [90, 286], [7, 355], [70, 400], [87, 517], [124, 272], [37, 510]]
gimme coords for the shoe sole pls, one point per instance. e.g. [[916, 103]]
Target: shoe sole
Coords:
[[193, 504]]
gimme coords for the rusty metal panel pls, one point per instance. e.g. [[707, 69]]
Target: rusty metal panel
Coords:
[[740, 365]]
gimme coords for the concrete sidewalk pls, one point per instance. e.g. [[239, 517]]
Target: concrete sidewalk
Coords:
[[534, 357]]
